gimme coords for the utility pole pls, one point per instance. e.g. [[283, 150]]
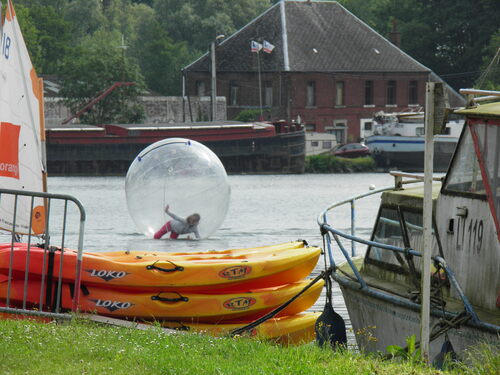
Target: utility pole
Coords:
[[214, 82], [260, 86], [213, 85]]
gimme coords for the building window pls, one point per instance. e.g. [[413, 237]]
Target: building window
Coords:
[[413, 93], [368, 92], [233, 93], [314, 143], [310, 127], [391, 92], [200, 88], [268, 94], [339, 93], [311, 94]]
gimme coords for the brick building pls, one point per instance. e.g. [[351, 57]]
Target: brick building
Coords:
[[328, 67]]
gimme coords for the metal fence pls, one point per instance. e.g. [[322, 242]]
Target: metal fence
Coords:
[[47, 282]]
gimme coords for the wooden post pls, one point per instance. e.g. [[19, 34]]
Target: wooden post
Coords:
[[427, 221]]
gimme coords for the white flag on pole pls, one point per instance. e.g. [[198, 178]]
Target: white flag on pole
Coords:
[[267, 47], [255, 46]]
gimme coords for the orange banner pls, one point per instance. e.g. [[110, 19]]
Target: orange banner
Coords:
[[9, 150]]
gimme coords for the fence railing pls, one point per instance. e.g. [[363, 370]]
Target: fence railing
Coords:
[[43, 241]]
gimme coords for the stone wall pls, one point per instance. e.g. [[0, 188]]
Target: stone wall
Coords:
[[158, 109]]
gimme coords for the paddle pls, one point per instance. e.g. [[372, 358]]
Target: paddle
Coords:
[[446, 356], [330, 326]]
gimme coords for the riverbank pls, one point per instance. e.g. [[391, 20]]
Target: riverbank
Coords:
[[326, 163], [81, 347]]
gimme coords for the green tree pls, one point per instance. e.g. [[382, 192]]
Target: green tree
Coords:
[[490, 77], [54, 38], [198, 22], [160, 59], [85, 17], [92, 68]]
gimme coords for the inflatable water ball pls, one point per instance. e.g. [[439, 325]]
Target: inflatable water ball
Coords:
[[183, 174]]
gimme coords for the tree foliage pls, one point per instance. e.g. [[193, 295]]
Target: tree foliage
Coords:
[[198, 22], [457, 39], [94, 67]]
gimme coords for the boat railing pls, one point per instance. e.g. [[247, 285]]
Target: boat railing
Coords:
[[399, 181], [328, 231], [42, 308]]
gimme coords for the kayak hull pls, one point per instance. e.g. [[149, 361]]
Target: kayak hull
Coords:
[[287, 330], [182, 306], [228, 270]]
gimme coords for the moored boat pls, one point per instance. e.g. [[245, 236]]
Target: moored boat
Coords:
[[398, 141], [382, 288]]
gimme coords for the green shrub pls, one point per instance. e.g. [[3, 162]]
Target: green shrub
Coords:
[[325, 163], [250, 115]]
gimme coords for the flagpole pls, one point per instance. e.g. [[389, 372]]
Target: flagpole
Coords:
[[260, 86]]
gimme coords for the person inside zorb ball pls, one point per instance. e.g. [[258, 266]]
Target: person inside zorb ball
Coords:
[[177, 186]]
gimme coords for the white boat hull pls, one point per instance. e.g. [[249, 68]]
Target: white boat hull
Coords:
[[378, 323], [408, 152]]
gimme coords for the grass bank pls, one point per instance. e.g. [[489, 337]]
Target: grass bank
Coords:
[[332, 164], [86, 348]]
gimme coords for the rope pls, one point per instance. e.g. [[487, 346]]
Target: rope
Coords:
[[273, 313]]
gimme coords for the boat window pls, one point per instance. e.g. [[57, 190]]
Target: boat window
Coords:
[[488, 139], [387, 231], [414, 223], [465, 175]]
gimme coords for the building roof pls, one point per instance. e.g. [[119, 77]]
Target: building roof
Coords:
[[317, 36]]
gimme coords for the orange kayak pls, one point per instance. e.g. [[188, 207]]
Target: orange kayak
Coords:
[[237, 269], [287, 330], [183, 306]]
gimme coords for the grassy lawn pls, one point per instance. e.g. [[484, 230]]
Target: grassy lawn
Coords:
[[82, 347]]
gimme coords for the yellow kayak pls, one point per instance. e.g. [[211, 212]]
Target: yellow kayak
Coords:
[[287, 330], [184, 306], [229, 270]]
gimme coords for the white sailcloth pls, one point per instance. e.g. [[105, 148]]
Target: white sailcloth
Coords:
[[21, 132]]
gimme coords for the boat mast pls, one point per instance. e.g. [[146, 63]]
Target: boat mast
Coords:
[[43, 143]]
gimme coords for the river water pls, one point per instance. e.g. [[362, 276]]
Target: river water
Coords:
[[264, 210]]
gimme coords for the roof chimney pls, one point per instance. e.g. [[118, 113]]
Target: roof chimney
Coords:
[[394, 35]]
